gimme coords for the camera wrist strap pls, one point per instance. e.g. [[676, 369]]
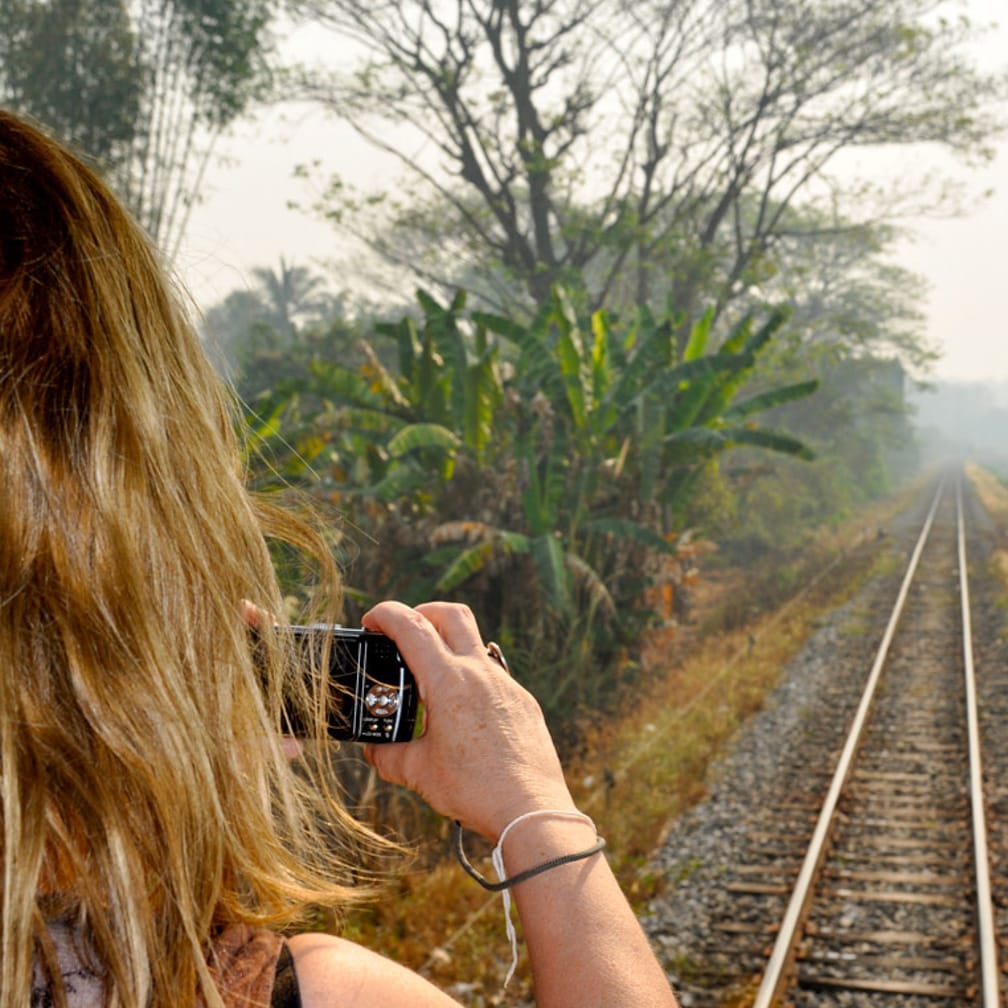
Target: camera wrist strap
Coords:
[[504, 885]]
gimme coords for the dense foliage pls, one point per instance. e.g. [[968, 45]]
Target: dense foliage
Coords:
[[860, 427], [539, 471]]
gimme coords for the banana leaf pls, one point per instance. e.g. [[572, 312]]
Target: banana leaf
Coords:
[[762, 437], [551, 568], [624, 528], [590, 584], [770, 399], [422, 436]]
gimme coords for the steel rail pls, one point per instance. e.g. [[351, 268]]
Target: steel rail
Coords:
[[990, 984], [781, 958]]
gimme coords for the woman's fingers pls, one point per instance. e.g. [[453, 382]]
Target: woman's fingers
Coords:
[[440, 630], [253, 615], [456, 625], [453, 625], [406, 626]]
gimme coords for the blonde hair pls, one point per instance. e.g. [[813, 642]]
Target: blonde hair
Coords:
[[144, 794]]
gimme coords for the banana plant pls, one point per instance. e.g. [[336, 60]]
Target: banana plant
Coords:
[[390, 435], [636, 421], [607, 425], [537, 467]]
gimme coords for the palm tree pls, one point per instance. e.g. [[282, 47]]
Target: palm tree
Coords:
[[292, 297]]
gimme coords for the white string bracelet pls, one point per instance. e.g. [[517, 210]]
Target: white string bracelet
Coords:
[[504, 885]]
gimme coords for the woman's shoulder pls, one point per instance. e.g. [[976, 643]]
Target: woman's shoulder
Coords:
[[336, 973]]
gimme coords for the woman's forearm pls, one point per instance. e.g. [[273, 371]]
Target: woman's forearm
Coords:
[[586, 947], [487, 760]]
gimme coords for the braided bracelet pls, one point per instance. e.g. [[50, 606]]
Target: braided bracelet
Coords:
[[505, 883]]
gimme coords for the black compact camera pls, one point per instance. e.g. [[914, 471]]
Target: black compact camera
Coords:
[[373, 696]]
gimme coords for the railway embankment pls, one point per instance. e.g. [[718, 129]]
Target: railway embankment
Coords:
[[727, 866]]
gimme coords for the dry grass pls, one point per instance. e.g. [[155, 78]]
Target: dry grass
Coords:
[[994, 496], [992, 493], [636, 772]]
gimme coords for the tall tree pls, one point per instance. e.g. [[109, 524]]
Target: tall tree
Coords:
[[586, 140], [849, 299], [74, 67], [263, 335], [144, 87], [292, 296]]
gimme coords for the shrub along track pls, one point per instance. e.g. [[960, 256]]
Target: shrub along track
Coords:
[[736, 856]]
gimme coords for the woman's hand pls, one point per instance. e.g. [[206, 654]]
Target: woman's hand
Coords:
[[486, 755], [485, 759]]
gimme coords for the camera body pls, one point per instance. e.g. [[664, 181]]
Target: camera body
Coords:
[[372, 695]]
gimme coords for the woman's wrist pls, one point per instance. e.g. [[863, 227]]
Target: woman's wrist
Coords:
[[548, 849], [544, 835], [546, 846], [530, 798]]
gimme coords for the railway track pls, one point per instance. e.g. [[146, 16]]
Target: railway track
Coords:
[[862, 877]]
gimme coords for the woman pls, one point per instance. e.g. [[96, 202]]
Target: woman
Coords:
[[155, 838]]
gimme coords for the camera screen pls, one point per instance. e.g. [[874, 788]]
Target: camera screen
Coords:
[[372, 694]]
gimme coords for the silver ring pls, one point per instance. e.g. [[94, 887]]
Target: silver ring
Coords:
[[494, 651]]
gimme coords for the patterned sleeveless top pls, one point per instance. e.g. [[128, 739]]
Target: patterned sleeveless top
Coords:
[[252, 969]]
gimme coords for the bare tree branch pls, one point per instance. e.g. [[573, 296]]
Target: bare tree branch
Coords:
[[584, 138]]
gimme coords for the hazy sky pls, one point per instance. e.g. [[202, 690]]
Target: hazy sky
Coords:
[[244, 221]]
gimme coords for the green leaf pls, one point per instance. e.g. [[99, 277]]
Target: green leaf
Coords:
[[600, 361], [762, 336], [493, 543], [333, 381], [695, 385], [483, 393], [421, 436], [428, 304], [569, 355], [695, 444], [509, 329], [400, 481], [259, 429], [369, 421], [777, 441], [696, 346], [736, 339], [624, 528], [469, 562], [745, 347], [551, 567], [770, 399]]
